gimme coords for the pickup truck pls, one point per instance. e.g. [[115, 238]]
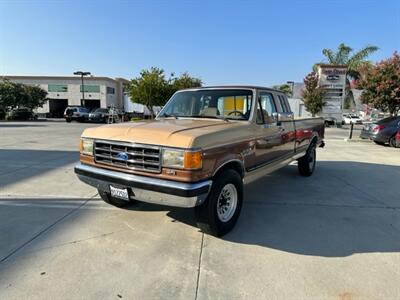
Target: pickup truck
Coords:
[[199, 151]]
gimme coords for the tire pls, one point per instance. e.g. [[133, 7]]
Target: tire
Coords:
[[392, 141], [379, 143], [226, 194], [68, 120], [112, 200], [306, 164]]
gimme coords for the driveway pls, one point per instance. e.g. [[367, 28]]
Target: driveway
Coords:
[[335, 235]]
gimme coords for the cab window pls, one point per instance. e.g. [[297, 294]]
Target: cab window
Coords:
[[285, 104], [265, 109], [280, 103]]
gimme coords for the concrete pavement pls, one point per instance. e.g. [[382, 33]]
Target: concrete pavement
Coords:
[[335, 235]]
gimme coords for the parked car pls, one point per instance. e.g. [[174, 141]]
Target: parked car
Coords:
[[330, 121], [199, 151], [22, 114], [99, 115], [383, 131], [351, 119], [76, 113], [398, 139]]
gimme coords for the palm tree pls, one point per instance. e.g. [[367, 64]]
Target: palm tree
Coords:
[[354, 61], [344, 56]]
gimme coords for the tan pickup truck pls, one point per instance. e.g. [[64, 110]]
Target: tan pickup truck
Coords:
[[199, 151]]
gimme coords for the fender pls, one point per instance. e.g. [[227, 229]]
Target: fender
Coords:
[[227, 161]]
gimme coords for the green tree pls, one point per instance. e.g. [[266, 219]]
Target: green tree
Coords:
[[151, 88], [381, 85], [35, 97], [185, 81], [344, 56], [16, 95], [285, 88], [312, 94]]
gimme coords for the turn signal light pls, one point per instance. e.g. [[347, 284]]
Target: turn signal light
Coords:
[[192, 160]]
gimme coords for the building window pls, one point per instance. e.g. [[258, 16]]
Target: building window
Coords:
[[58, 88], [91, 88], [110, 90]]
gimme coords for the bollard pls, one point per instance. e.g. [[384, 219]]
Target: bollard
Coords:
[[351, 130]]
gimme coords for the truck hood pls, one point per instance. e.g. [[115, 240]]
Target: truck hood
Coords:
[[166, 132]]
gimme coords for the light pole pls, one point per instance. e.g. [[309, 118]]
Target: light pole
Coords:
[[83, 86], [291, 86]]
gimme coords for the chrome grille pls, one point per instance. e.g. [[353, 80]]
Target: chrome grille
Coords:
[[138, 157]]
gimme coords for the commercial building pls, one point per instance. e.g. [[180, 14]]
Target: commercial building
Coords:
[[66, 91]]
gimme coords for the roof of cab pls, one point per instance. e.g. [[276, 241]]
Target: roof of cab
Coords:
[[236, 87]]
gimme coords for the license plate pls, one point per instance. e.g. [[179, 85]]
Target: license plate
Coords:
[[119, 193]]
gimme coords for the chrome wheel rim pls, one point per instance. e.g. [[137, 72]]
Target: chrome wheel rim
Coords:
[[311, 159], [227, 202]]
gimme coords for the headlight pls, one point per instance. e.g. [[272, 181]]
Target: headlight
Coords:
[[86, 146], [172, 158], [182, 159]]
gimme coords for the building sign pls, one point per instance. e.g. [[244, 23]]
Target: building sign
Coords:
[[333, 80]]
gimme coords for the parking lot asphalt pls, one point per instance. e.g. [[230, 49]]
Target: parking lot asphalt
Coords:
[[335, 235]]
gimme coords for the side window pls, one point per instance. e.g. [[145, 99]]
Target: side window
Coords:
[[266, 108], [279, 103], [284, 103]]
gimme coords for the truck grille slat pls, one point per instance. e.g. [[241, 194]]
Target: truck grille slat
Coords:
[[139, 157]]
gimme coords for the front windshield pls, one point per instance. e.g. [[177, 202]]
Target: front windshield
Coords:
[[224, 104]]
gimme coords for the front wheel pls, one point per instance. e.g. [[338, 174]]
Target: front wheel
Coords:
[[306, 164], [220, 212]]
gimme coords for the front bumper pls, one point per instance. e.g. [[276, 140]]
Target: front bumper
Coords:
[[147, 189]]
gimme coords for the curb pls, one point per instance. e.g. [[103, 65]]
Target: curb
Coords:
[[357, 140]]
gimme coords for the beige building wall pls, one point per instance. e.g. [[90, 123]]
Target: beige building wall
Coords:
[[74, 94]]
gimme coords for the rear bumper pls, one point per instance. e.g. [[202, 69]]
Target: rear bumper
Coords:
[[147, 189], [365, 134]]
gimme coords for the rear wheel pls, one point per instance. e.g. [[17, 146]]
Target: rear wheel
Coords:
[[221, 210], [306, 164], [112, 200], [68, 120], [392, 141]]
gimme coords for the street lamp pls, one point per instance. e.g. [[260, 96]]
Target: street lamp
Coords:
[[291, 86], [80, 73]]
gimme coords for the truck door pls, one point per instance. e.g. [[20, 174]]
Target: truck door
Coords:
[[286, 124], [268, 140]]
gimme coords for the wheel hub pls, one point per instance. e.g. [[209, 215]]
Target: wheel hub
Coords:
[[227, 202]]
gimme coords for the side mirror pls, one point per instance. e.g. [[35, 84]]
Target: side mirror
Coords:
[[277, 118]]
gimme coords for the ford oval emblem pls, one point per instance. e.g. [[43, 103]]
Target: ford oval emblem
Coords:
[[123, 156]]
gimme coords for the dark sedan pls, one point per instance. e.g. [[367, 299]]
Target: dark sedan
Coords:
[[99, 115], [383, 131], [22, 114]]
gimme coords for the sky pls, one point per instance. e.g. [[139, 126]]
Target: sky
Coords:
[[221, 42]]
